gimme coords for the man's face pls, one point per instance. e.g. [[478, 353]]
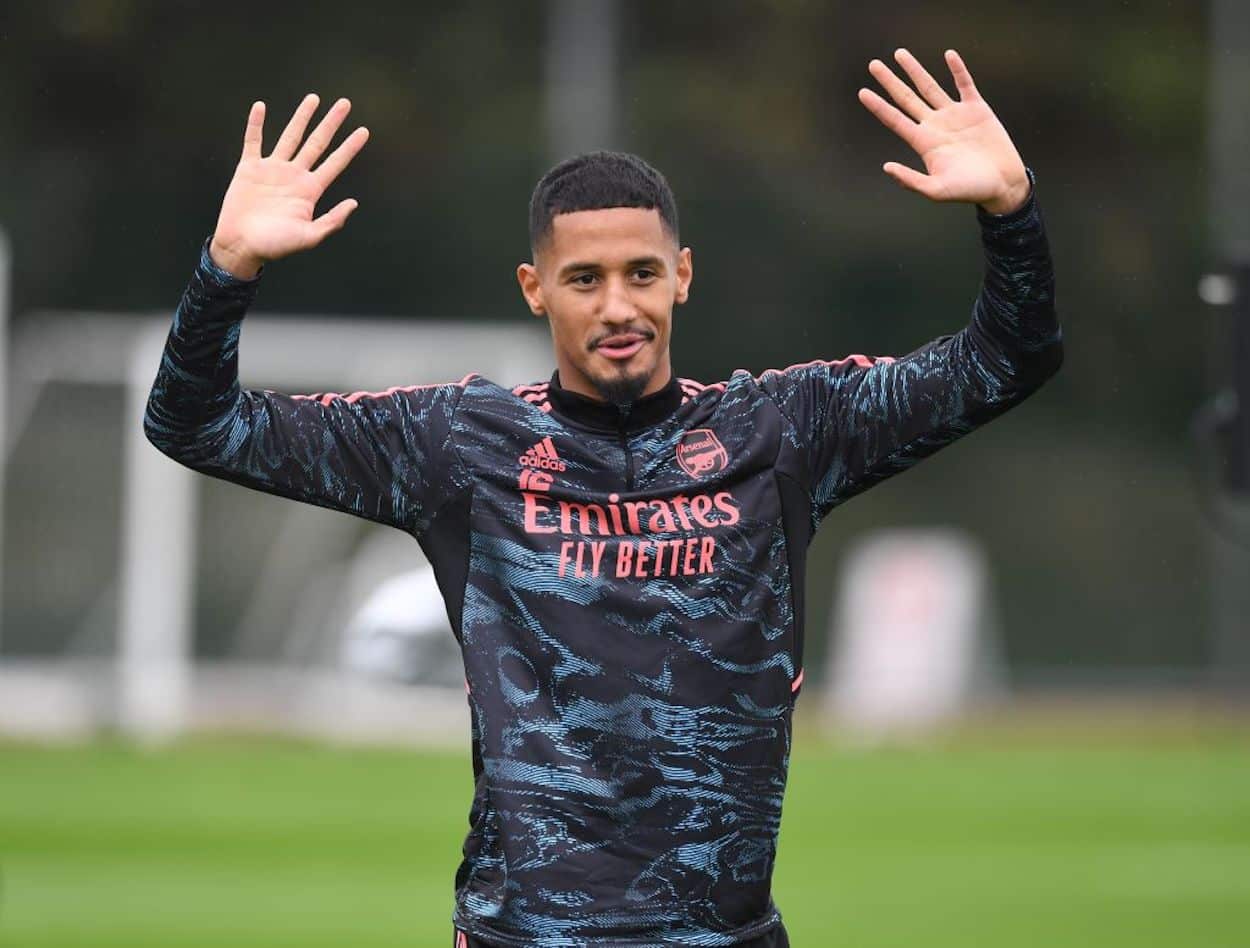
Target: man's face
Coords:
[[607, 281]]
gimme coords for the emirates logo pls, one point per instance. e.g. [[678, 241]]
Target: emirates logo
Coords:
[[700, 453]]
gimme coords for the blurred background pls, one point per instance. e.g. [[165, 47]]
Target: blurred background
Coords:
[[217, 725]]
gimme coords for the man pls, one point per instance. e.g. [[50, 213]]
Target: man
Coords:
[[621, 550]]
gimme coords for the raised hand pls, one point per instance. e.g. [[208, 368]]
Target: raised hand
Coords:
[[268, 209], [965, 149]]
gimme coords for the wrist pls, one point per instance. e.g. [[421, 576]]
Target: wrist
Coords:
[[241, 266], [1011, 200]]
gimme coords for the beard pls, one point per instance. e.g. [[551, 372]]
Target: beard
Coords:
[[620, 390]]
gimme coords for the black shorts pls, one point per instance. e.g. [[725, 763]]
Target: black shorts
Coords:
[[774, 939]]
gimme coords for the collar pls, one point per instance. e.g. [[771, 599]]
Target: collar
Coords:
[[647, 412]]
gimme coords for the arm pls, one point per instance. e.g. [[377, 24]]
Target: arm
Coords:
[[860, 420], [384, 456]]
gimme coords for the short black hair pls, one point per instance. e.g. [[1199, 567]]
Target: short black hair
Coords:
[[598, 180]]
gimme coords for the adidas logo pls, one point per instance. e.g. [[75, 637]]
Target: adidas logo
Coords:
[[542, 456]]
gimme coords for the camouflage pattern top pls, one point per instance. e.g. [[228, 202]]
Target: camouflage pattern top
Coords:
[[627, 587]]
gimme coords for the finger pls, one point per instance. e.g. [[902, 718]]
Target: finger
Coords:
[[933, 93], [294, 130], [334, 219], [900, 92], [323, 134], [912, 179], [963, 78], [255, 131], [341, 157], [891, 118]]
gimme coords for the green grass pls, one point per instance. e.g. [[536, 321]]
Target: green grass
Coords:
[[1004, 842]]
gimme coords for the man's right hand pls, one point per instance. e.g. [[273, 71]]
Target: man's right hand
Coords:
[[268, 209]]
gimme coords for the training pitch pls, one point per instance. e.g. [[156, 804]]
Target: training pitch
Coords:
[[1009, 840]]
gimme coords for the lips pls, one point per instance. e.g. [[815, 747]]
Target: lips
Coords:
[[621, 346]]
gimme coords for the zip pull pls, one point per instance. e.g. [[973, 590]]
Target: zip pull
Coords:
[[629, 458]]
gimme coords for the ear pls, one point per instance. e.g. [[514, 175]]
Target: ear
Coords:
[[685, 273], [531, 288]]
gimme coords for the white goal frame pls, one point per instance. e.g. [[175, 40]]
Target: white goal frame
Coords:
[[153, 675]]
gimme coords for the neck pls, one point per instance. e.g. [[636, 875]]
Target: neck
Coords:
[[594, 411]]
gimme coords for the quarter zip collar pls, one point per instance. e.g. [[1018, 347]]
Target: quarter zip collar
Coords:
[[647, 412]]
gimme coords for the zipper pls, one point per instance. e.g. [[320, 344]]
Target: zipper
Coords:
[[629, 458]]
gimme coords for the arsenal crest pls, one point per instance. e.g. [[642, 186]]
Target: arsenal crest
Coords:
[[700, 453]]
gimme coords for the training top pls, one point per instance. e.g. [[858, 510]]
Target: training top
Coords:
[[626, 585]]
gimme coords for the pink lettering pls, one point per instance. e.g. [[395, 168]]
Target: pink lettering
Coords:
[[678, 501], [631, 509], [640, 561], [585, 514], [700, 507], [617, 527], [624, 553], [705, 555], [532, 509], [662, 520], [687, 565], [729, 507], [674, 555]]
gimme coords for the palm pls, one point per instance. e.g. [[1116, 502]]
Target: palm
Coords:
[[967, 154], [960, 150], [271, 203], [268, 211]]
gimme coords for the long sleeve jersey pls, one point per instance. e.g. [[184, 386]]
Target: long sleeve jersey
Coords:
[[626, 586]]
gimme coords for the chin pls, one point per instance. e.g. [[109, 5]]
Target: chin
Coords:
[[622, 388]]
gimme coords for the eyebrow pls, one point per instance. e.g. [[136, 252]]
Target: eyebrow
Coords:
[[578, 267]]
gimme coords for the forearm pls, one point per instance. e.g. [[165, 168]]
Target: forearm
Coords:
[[1015, 333], [887, 414], [196, 393], [382, 456]]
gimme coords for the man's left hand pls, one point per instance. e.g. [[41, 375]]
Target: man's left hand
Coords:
[[965, 149]]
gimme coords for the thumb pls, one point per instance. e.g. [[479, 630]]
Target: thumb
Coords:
[[911, 179], [333, 219]]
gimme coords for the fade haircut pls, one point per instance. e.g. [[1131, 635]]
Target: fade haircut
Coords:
[[598, 180]]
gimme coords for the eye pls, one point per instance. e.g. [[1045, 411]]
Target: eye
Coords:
[[583, 279], [644, 275]]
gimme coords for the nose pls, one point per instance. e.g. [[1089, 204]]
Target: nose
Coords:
[[618, 303]]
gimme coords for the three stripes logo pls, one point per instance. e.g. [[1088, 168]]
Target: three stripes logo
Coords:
[[543, 456], [536, 464]]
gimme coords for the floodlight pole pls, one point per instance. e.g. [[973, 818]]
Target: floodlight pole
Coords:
[[1228, 146], [6, 257], [582, 99]]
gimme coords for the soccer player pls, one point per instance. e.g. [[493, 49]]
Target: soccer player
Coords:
[[621, 550]]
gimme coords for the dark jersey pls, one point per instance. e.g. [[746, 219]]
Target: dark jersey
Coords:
[[626, 586]]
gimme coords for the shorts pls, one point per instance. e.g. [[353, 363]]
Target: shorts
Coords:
[[774, 939]]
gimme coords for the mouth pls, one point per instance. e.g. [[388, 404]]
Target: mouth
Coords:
[[621, 346]]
